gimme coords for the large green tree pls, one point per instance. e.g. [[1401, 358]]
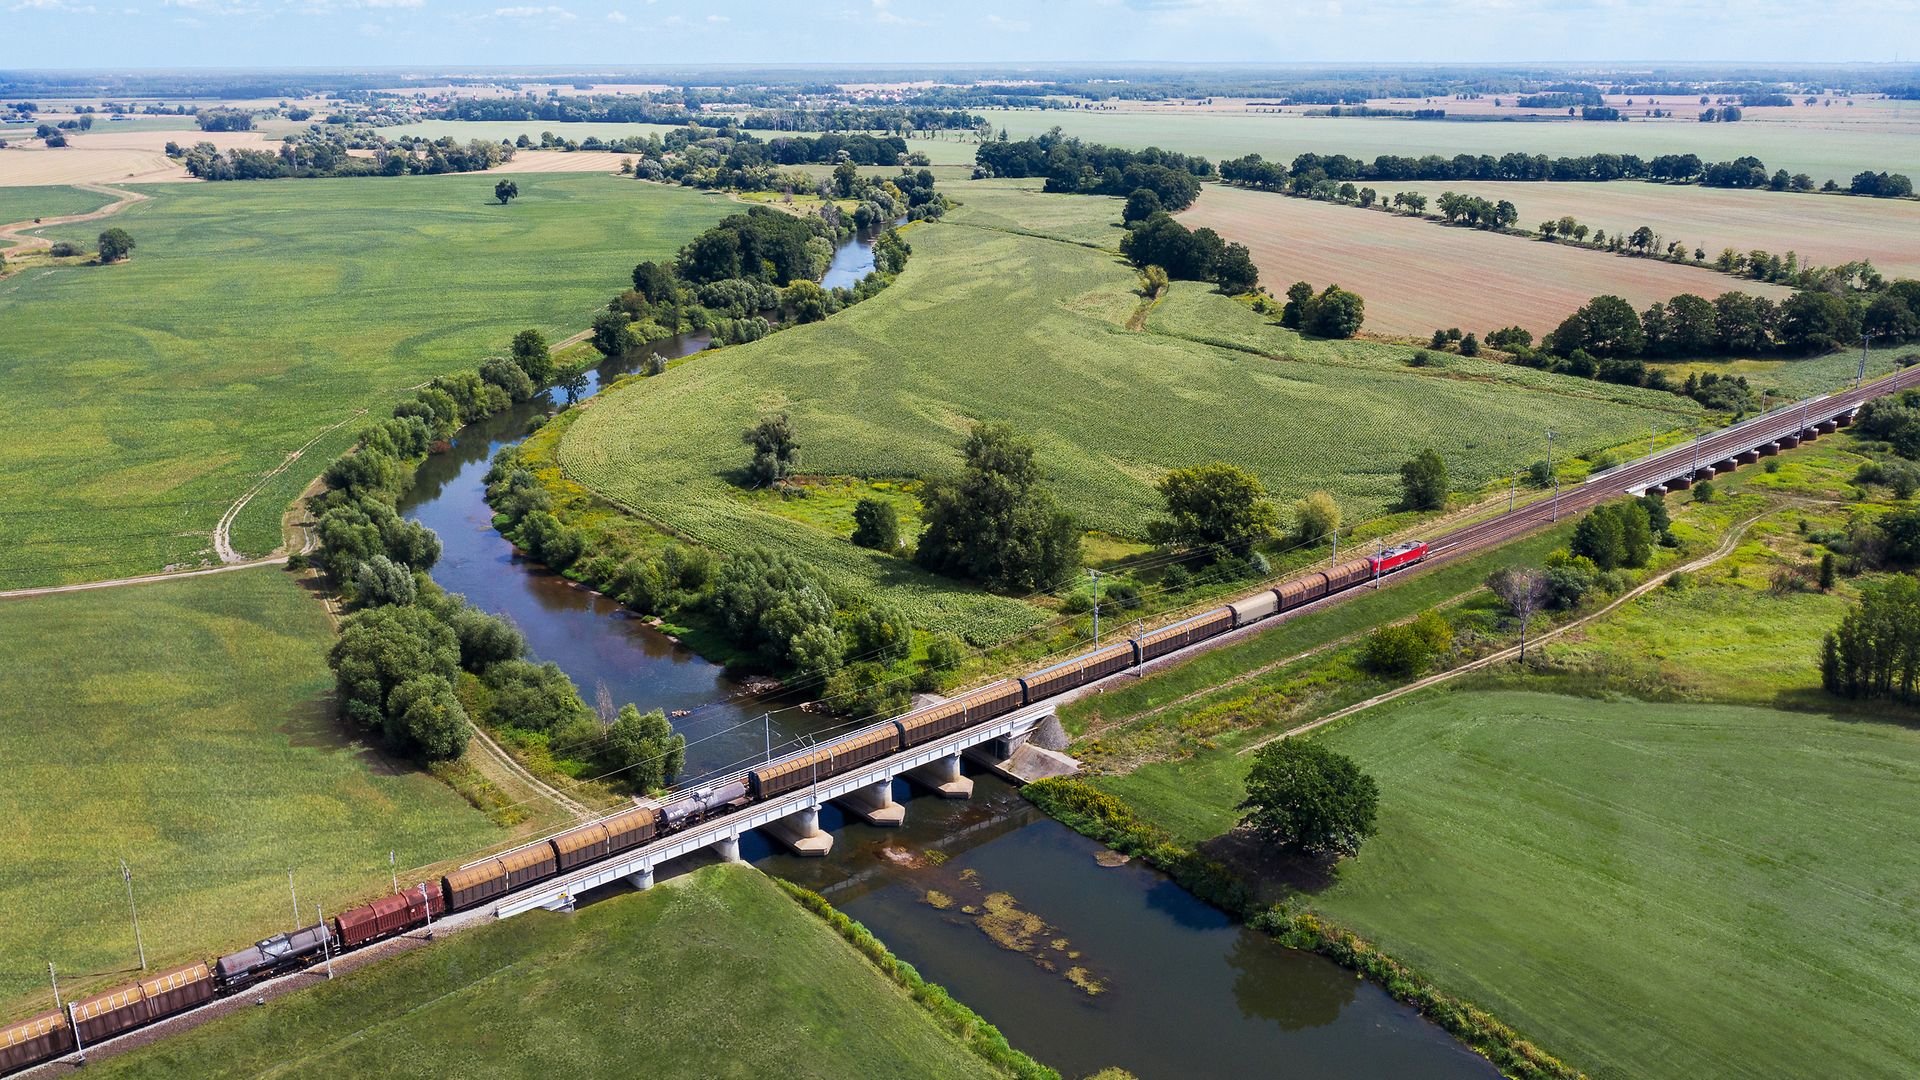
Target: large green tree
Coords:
[[531, 353], [382, 647], [644, 747], [775, 447], [1214, 507], [115, 244], [1423, 482], [1308, 799], [996, 521]]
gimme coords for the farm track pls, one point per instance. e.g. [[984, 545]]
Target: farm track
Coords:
[[222, 543], [1726, 548], [24, 240]]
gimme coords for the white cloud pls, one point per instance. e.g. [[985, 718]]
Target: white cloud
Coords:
[[616, 17], [393, 3], [718, 19], [531, 11]]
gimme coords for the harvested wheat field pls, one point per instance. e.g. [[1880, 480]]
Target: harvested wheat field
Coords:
[[1417, 275], [1824, 229], [112, 157], [562, 161]]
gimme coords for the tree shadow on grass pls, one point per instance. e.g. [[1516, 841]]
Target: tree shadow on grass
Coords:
[[1274, 875], [316, 723]]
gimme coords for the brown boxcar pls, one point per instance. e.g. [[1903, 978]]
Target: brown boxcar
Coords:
[[529, 864], [825, 761], [1078, 671], [1301, 590], [178, 990], [631, 828], [389, 915], [474, 884], [1349, 574], [964, 711], [103, 1016], [582, 845], [34, 1040], [1184, 633]]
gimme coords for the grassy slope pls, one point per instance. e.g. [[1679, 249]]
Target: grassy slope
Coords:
[[714, 974], [1648, 889], [147, 397], [995, 325], [1652, 890], [186, 727], [26, 203], [1824, 152]]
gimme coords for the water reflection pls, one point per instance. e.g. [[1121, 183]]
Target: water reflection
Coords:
[[1124, 967]]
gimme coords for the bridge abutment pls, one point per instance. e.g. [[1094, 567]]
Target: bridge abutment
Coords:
[[728, 847], [641, 879], [801, 833]]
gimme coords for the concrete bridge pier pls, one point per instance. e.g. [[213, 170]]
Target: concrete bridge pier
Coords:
[[801, 833], [1747, 457], [1787, 442], [874, 805], [642, 879], [1767, 449], [728, 847], [944, 777]]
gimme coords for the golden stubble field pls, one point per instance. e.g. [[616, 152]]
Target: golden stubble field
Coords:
[[112, 157], [1825, 229], [1417, 276]]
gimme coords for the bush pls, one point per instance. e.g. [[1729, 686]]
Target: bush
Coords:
[[876, 525], [1423, 482], [1396, 650]]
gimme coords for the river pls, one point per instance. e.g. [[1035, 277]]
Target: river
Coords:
[[1080, 964]]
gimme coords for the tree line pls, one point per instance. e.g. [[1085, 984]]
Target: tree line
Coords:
[[1310, 169], [319, 156], [417, 666], [1075, 167]]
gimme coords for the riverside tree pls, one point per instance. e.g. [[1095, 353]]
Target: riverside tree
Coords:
[[996, 522], [645, 748], [531, 353], [1310, 800], [381, 649]]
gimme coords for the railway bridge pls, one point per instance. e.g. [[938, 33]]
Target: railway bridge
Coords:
[[794, 818]]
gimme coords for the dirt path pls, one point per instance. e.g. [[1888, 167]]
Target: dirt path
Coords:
[[143, 579], [1725, 549], [25, 241], [222, 545], [499, 761]]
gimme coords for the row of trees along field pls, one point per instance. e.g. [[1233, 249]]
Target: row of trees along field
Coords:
[[1607, 339], [418, 666], [1311, 170]]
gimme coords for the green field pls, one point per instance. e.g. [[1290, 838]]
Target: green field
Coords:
[[887, 389], [1824, 151], [715, 974], [188, 728], [145, 398], [27, 203]]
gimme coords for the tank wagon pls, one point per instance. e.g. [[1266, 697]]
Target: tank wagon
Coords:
[[87, 1021]]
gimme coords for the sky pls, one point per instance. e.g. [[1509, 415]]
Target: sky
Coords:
[[283, 33]]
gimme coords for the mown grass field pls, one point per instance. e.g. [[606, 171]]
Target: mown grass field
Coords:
[[715, 974], [1834, 150], [146, 397], [1825, 230], [888, 388], [1418, 276], [1706, 881], [188, 728]]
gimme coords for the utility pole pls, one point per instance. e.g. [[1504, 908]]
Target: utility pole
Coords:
[[296, 898], [393, 868], [1513, 491], [126, 875], [1095, 575], [1555, 473], [55, 980], [320, 920], [1865, 340], [426, 905], [766, 731]]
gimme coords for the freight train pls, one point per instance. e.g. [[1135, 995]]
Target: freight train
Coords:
[[102, 1016]]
